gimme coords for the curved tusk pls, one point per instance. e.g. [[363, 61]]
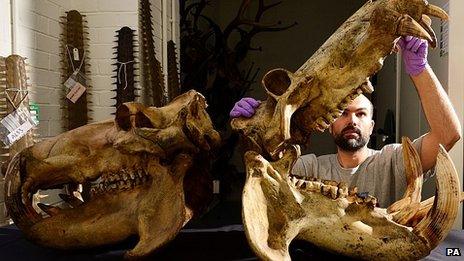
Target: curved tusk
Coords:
[[409, 26], [414, 178], [426, 23], [436, 11], [439, 220]]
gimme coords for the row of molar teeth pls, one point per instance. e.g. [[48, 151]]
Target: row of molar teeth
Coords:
[[124, 180], [328, 188]]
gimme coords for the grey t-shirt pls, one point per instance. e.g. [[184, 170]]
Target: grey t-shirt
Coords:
[[381, 174]]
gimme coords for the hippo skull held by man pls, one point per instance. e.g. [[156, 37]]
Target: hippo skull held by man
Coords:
[[136, 166], [278, 208]]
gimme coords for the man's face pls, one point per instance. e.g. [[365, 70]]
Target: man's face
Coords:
[[351, 131]]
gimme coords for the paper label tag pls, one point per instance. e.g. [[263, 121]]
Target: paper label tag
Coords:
[[216, 186], [76, 54], [75, 85], [76, 92], [70, 82], [15, 125]]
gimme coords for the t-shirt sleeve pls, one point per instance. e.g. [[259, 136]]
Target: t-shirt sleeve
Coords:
[[305, 166]]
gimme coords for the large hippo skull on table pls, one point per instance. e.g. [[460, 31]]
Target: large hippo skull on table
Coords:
[[136, 166]]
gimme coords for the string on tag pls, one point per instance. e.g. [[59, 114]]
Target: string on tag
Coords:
[[72, 63], [123, 64], [11, 101]]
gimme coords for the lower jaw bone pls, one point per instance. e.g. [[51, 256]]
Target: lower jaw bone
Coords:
[[278, 208]]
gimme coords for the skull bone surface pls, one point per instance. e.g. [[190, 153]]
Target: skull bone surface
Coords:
[[311, 98], [135, 167], [278, 208]]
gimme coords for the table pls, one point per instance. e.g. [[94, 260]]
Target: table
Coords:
[[222, 243]]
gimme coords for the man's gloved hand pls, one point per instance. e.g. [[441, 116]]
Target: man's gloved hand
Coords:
[[414, 51], [245, 107]]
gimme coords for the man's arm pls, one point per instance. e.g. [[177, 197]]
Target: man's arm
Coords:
[[445, 127]]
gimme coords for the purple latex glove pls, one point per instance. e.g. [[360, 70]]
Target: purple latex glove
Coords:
[[414, 51], [245, 107]]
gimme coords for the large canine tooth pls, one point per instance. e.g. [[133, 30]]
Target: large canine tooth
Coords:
[[426, 23], [436, 12], [50, 210], [425, 207], [439, 220], [72, 200], [414, 178], [409, 26], [406, 215]]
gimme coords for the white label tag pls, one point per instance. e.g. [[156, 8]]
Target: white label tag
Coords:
[[76, 92], [19, 132], [216, 186], [70, 82], [76, 54], [15, 125]]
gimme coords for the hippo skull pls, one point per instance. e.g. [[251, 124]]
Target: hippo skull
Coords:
[[135, 167]]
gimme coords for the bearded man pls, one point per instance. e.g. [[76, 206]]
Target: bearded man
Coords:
[[380, 173]]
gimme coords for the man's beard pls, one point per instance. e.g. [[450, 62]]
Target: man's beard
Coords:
[[351, 144]]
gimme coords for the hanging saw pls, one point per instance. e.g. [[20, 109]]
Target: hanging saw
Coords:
[[152, 76], [75, 64], [125, 67]]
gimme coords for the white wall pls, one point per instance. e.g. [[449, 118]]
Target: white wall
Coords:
[[5, 28], [104, 17], [36, 32]]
